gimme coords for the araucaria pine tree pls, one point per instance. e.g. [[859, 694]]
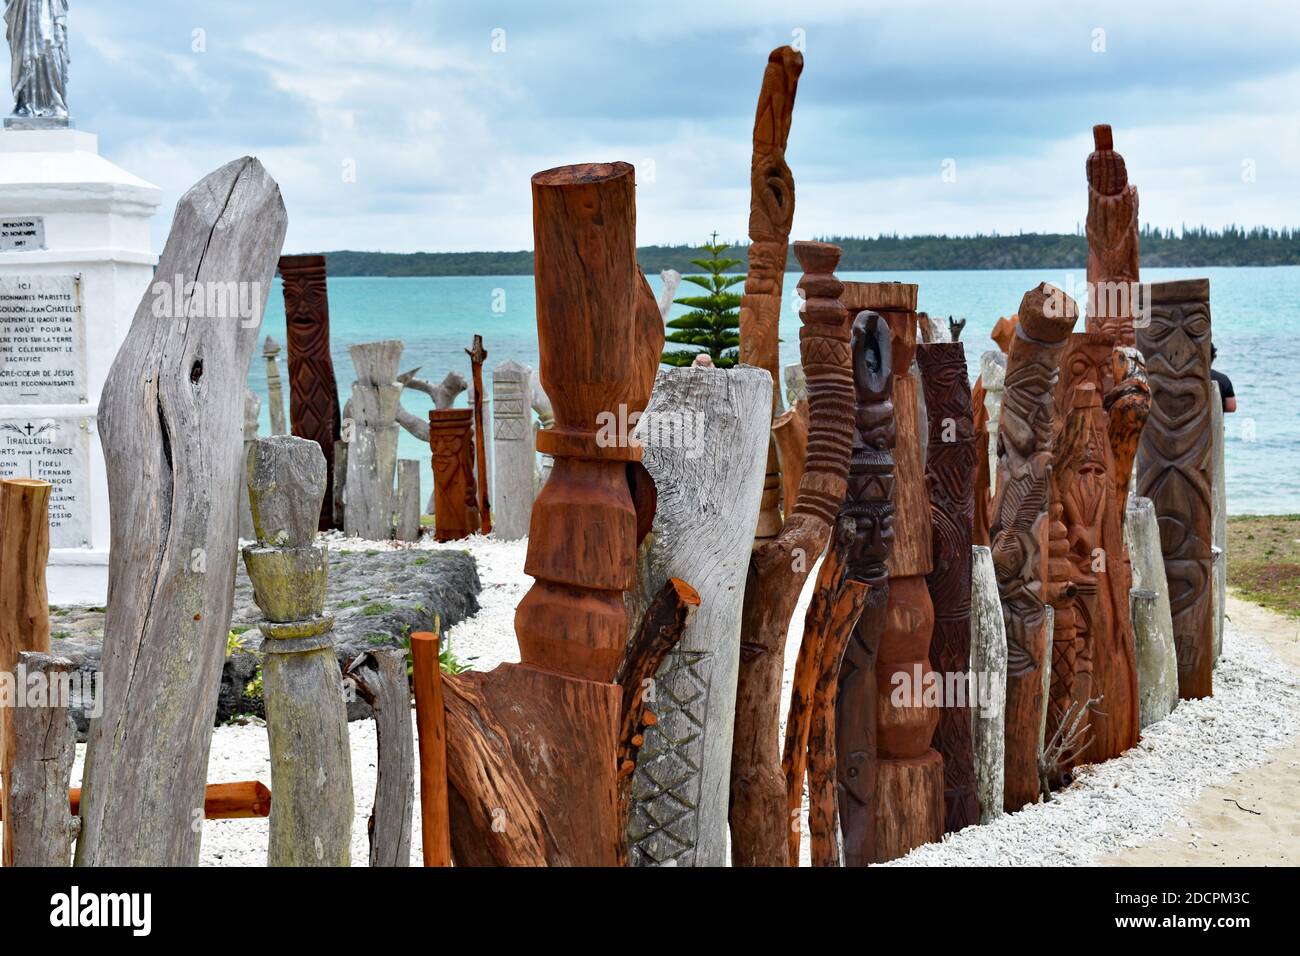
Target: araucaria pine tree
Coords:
[[713, 324]]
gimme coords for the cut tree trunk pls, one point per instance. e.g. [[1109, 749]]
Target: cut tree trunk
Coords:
[[169, 421]]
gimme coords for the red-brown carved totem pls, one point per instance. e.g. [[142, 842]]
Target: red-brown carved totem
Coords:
[[949, 472], [1112, 241], [313, 390], [451, 441]]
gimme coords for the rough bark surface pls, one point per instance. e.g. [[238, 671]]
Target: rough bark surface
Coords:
[[170, 424], [380, 679], [988, 656], [370, 430]]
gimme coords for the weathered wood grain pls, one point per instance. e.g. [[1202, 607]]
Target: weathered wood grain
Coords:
[[370, 430], [433, 717], [274, 386], [380, 679], [705, 435], [988, 661], [512, 435], [169, 421]]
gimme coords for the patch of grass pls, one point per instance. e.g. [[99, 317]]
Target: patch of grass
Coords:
[[61, 635], [344, 605], [374, 610], [1264, 560], [241, 629], [418, 562]]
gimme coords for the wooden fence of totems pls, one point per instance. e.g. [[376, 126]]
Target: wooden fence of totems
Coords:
[[170, 423], [909, 805], [577, 693], [1019, 529], [313, 390], [771, 213], [949, 470], [1174, 465], [778, 568]]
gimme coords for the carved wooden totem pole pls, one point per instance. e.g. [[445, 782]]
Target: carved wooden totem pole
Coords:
[[576, 695], [1128, 405], [274, 388], [313, 390], [771, 213], [1112, 241], [986, 402], [949, 471], [477, 356], [1175, 466], [452, 443], [779, 567], [1019, 529], [870, 504]]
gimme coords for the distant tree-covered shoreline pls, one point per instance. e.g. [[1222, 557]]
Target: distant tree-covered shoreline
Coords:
[[1188, 248]]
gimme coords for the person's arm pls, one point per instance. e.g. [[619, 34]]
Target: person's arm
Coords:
[[1230, 403]]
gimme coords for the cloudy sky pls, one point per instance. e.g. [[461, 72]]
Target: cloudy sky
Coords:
[[408, 125]]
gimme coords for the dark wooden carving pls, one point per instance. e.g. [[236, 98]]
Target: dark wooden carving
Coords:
[[779, 567], [1128, 405], [313, 390], [1112, 241], [1019, 529], [949, 472], [869, 502], [771, 213], [477, 356], [1175, 466], [455, 502]]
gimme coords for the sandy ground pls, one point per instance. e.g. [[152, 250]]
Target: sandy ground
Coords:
[[1253, 818]]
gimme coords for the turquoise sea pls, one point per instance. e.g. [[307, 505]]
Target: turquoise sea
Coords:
[[1254, 313]]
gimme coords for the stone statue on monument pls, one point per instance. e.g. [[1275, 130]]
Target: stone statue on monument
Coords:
[[37, 31]]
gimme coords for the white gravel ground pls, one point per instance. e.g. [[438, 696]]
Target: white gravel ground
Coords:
[[1122, 803]]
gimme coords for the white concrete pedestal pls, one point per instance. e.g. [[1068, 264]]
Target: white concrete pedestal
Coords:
[[74, 245]]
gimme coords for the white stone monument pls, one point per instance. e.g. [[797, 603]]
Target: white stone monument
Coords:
[[75, 260]]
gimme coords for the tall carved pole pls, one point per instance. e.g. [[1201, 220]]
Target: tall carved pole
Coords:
[[1128, 406], [1020, 524], [169, 419], [371, 438], [843, 588], [512, 434], [986, 402], [313, 389], [274, 388], [779, 568], [477, 356], [1112, 241], [451, 445], [771, 213], [1175, 465], [306, 721], [949, 472]]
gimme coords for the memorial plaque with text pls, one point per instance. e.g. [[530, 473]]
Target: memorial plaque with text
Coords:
[[22, 235], [56, 450], [42, 341]]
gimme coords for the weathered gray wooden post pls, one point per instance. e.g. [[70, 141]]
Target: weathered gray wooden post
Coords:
[[380, 678], [672, 280], [407, 510], [1219, 516], [988, 662], [274, 388], [252, 408], [38, 828], [545, 419], [1157, 664], [170, 420], [705, 434], [370, 430], [993, 373], [306, 719], [512, 434]]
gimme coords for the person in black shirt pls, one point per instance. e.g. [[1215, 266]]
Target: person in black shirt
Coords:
[[1225, 384]]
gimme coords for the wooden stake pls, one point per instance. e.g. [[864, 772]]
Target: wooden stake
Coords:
[[430, 718], [477, 356]]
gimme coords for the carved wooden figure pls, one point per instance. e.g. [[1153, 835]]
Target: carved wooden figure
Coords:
[[1174, 466], [771, 213], [1019, 529], [950, 470], [1128, 406], [1112, 241], [306, 720], [169, 420], [986, 402], [274, 386], [477, 356], [512, 434], [779, 568], [450, 441], [313, 390], [577, 695], [252, 408], [705, 435]]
